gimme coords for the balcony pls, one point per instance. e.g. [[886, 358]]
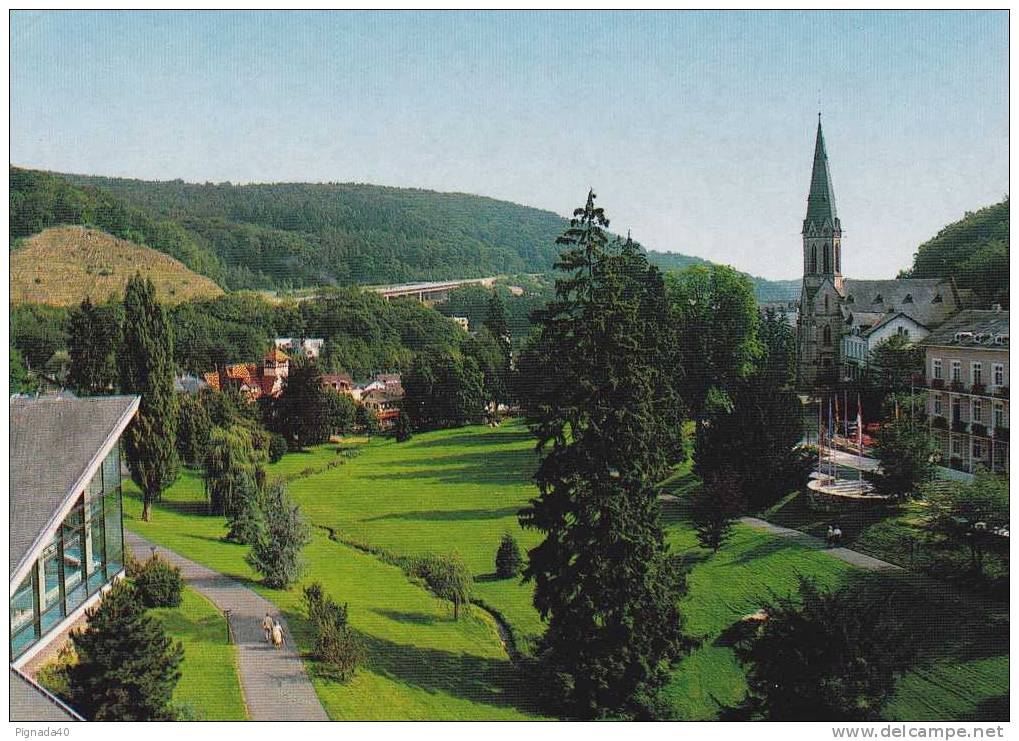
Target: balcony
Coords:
[[1001, 392], [956, 463], [959, 426], [1001, 433], [937, 383], [956, 386], [940, 423], [978, 429], [978, 388]]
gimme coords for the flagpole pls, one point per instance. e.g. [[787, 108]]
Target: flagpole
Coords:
[[859, 441]]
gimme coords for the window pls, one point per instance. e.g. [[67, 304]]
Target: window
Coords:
[[25, 614], [903, 332], [53, 586], [114, 533], [978, 448], [827, 336], [111, 470], [936, 371], [957, 370], [813, 258], [956, 446], [956, 409], [97, 554], [978, 411], [976, 372], [998, 374], [937, 405], [999, 415]]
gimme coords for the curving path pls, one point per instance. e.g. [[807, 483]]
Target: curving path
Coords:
[[274, 682], [854, 558]]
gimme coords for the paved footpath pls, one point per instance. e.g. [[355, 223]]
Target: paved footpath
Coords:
[[274, 682], [855, 558]]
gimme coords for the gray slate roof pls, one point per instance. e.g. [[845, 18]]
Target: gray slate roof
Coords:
[[32, 703], [914, 297], [821, 198], [53, 442], [984, 324]]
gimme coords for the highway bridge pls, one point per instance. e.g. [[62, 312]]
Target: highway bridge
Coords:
[[432, 292]]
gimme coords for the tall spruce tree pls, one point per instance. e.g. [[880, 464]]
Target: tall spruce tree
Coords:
[[496, 322], [91, 336], [127, 666], [603, 577], [146, 368]]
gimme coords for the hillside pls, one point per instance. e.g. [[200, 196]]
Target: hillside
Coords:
[[289, 235], [974, 251], [62, 265]]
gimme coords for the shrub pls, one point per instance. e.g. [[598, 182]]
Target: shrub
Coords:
[[159, 583], [337, 646], [127, 665], [276, 555], [278, 447], [53, 675], [340, 650], [508, 559]]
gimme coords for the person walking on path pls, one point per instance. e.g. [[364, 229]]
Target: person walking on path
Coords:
[[837, 535], [277, 635], [830, 537], [267, 626]]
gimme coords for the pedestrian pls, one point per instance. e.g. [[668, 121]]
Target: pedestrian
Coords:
[[830, 538], [267, 625], [838, 535], [277, 635]]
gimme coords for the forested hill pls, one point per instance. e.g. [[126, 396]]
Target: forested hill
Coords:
[[285, 235], [974, 251]]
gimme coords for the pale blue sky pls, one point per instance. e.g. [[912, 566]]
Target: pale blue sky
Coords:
[[695, 129]]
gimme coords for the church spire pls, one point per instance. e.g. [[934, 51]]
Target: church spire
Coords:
[[821, 200]]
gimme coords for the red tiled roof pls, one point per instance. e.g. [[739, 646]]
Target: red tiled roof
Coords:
[[277, 355]]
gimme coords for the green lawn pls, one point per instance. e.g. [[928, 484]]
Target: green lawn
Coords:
[[208, 685], [460, 490], [424, 665]]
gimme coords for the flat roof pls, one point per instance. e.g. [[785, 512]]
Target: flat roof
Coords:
[[54, 443]]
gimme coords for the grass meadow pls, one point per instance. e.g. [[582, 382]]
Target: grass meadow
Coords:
[[459, 490]]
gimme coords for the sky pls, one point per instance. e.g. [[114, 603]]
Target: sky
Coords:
[[695, 129]]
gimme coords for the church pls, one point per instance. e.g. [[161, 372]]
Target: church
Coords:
[[841, 319]]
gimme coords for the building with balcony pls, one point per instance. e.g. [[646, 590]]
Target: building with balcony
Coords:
[[966, 372], [66, 526]]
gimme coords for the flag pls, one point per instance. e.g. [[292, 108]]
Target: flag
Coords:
[[837, 414], [859, 437]]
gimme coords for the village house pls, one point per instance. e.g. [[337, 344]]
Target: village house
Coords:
[[310, 348], [861, 340], [253, 380], [339, 382], [386, 405], [966, 370], [66, 529]]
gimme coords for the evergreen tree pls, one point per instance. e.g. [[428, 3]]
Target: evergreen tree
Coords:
[[247, 523], [756, 439], [508, 559], [367, 421], [603, 577], [92, 335], [302, 412], [496, 323], [715, 507], [492, 359], [830, 655], [404, 429], [276, 555], [194, 428], [127, 666], [146, 368]]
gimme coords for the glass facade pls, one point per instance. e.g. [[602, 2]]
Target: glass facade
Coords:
[[86, 552]]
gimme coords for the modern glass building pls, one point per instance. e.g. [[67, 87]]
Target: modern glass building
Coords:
[[67, 539]]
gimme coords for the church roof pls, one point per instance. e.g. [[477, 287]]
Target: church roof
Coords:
[[929, 301], [821, 199]]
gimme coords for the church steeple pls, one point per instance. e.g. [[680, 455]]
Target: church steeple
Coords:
[[821, 199]]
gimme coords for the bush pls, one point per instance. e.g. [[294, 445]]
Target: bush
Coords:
[[337, 646], [53, 675], [508, 559], [278, 447], [159, 583]]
